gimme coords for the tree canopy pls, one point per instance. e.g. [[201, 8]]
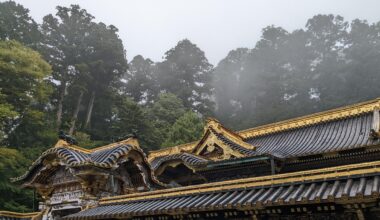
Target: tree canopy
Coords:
[[70, 73], [16, 24], [187, 73]]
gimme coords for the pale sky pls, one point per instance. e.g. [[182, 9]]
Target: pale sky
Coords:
[[151, 27]]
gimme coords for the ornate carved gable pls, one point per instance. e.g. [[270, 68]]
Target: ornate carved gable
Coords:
[[220, 143]]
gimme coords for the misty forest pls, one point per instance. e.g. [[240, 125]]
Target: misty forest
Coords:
[[70, 73]]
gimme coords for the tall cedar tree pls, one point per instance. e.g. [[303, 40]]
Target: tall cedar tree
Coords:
[[106, 64], [65, 47], [187, 73], [141, 82], [88, 59], [16, 24], [327, 64]]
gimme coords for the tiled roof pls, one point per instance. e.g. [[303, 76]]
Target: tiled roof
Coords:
[[186, 158], [331, 185], [326, 191], [225, 137], [105, 158], [340, 122], [331, 136], [233, 145]]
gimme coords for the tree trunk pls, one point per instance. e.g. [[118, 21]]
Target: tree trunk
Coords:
[[60, 104], [89, 109], [75, 115]]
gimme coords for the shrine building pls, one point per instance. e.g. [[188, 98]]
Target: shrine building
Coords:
[[320, 166]]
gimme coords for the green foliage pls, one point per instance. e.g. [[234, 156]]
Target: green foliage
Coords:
[[88, 59], [22, 71], [141, 83], [23, 93], [12, 197], [167, 108], [187, 128], [187, 73], [7, 114], [163, 114], [327, 64], [16, 24]]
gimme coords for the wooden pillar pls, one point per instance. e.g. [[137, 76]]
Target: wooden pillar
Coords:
[[272, 166], [359, 214]]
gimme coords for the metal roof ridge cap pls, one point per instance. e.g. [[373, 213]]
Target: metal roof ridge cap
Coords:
[[329, 114]]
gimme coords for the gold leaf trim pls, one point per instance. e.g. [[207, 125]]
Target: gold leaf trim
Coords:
[[310, 175], [320, 117], [131, 141], [19, 215]]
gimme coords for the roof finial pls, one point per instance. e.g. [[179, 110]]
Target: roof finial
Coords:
[[68, 138]]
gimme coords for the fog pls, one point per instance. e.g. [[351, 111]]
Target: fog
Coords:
[[150, 27]]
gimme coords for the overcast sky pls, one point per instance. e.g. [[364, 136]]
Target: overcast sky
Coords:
[[151, 27]]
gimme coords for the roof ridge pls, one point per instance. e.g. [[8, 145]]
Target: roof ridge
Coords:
[[62, 143], [306, 120], [112, 145], [311, 119]]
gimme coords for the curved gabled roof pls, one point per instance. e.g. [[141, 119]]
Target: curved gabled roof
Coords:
[[74, 156], [189, 160], [215, 133]]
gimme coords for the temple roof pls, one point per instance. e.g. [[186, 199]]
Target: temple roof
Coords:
[[329, 136], [215, 136], [335, 130], [341, 184], [188, 159], [74, 156]]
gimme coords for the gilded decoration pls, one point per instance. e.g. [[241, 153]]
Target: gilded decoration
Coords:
[[240, 136], [302, 176], [31, 215]]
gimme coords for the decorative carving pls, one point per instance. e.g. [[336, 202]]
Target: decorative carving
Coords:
[[58, 198], [210, 142]]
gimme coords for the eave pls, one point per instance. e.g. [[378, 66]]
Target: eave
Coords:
[[17, 215], [299, 122], [263, 181]]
